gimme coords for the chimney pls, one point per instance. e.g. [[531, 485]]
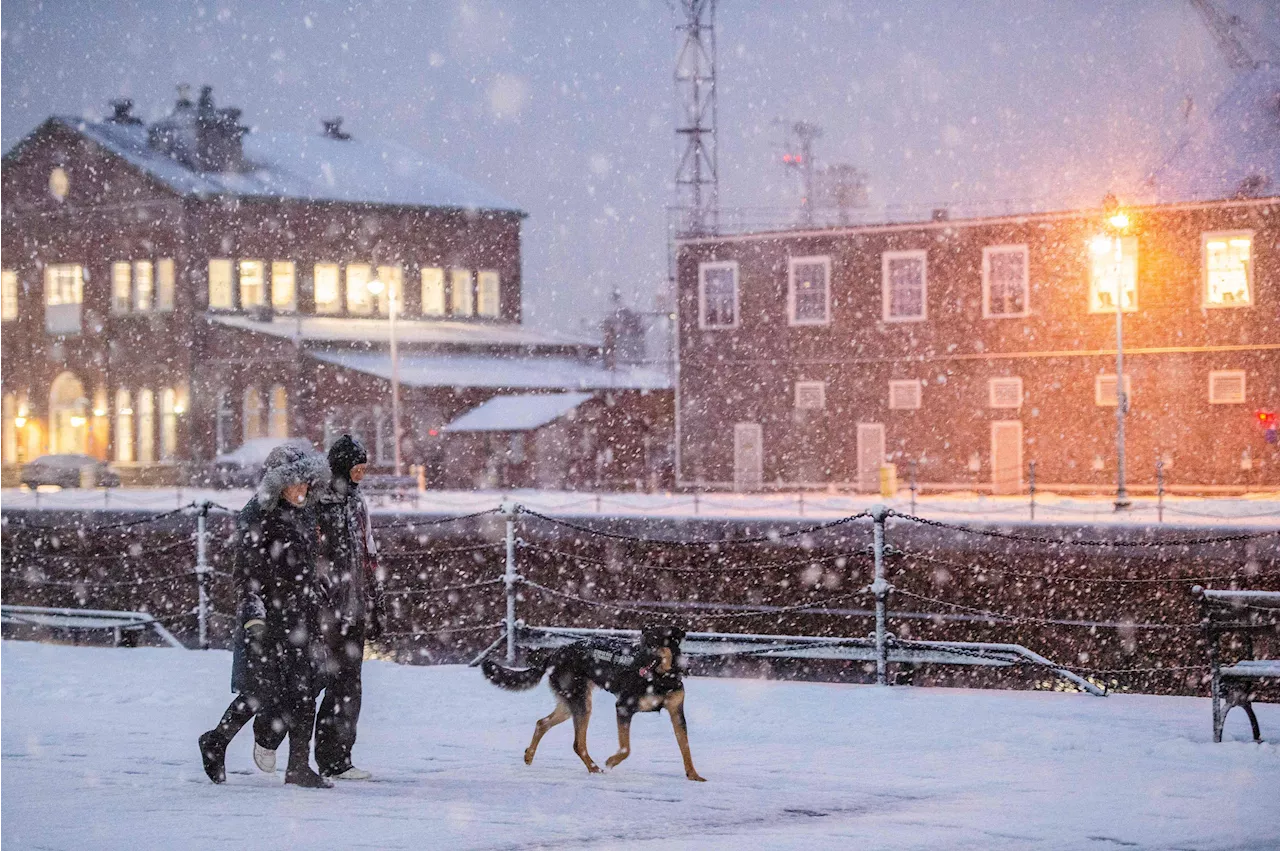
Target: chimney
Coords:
[[200, 136], [941, 214], [121, 112], [333, 129]]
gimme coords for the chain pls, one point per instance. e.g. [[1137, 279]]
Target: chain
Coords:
[[420, 592], [439, 551], [723, 616], [124, 524], [758, 539], [415, 633], [751, 568], [1082, 542], [893, 551], [413, 524], [60, 556], [1008, 618]]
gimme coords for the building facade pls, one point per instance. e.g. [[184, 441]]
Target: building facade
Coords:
[[174, 290], [963, 351]]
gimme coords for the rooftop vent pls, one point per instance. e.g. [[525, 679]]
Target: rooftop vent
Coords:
[[333, 129], [201, 136], [122, 112], [941, 214]]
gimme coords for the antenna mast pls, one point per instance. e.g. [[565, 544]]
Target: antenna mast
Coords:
[[697, 173]]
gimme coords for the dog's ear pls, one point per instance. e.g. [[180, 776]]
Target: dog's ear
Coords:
[[677, 635]]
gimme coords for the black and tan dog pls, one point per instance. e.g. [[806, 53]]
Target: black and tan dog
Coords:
[[645, 677]]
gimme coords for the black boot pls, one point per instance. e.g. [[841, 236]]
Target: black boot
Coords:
[[306, 778], [213, 753]]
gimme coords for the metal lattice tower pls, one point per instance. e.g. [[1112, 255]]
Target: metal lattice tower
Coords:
[[697, 173]]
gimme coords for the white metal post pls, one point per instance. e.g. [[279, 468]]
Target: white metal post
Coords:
[[395, 377], [202, 573], [880, 588], [510, 579], [1031, 484], [1160, 491], [1122, 398]]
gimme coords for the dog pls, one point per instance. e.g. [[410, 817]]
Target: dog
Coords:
[[645, 677]]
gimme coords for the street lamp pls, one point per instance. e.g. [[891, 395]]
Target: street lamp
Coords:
[[1118, 223], [375, 287]]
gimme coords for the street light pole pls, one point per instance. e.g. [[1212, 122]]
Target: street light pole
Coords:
[[1119, 222], [376, 286]]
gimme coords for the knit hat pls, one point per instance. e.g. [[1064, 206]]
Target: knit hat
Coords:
[[345, 453]]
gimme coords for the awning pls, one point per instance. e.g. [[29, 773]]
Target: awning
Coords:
[[521, 412]]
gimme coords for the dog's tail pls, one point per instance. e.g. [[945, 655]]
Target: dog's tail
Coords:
[[517, 679]]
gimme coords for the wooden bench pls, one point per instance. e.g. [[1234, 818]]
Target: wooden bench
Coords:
[[1254, 616]]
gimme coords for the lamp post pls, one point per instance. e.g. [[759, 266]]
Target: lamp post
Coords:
[[1118, 222], [376, 286]]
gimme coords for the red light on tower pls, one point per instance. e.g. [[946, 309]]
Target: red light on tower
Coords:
[[1267, 420]]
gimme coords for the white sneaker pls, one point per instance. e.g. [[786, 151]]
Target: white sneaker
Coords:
[[353, 773], [264, 759]]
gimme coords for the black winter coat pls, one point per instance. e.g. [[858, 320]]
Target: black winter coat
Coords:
[[275, 577], [347, 562]]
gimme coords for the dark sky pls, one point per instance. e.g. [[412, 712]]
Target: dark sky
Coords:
[[568, 108]]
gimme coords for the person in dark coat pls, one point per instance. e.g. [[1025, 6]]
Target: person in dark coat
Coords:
[[276, 652], [352, 610]]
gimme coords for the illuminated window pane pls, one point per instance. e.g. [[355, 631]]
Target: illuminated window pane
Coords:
[[1228, 264], [121, 288], [719, 295], [490, 303], [392, 279], [252, 284], [252, 413], [63, 293], [146, 427], [8, 295], [168, 424], [283, 292], [278, 412], [1113, 269], [328, 299], [809, 290], [220, 295], [143, 285], [124, 427], [432, 291], [164, 284], [1006, 280], [460, 288], [359, 299], [903, 285]]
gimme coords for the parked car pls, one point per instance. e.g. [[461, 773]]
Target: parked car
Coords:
[[69, 471], [242, 467]]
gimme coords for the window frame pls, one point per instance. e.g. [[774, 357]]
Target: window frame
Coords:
[[814, 260], [820, 386], [291, 304], [1228, 235], [712, 265], [9, 287], [886, 258], [485, 298], [462, 297], [230, 283], [144, 297], [335, 305], [166, 282], [121, 288], [1098, 399], [918, 387], [991, 392], [1007, 248], [262, 294], [59, 313], [1215, 374], [438, 286]]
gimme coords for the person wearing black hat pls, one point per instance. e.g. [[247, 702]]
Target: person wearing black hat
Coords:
[[351, 611], [276, 647]]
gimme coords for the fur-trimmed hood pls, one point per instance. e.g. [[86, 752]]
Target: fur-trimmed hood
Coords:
[[291, 465]]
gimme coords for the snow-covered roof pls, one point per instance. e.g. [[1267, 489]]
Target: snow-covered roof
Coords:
[[524, 372], [1234, 151], [343, 329], [521, 412], [305, 167]]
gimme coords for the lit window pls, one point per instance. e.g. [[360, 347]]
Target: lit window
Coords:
[[904, 395], [1113, 263], [718, 294], [460, 289], [488, 292], [432, 291], [146, 427], [392, 279], [1005, 281], [284, 295], [811, 395], [904, 286], [164, 284], [1104, 390], [252, 413], [168, 424], [1228, 269], [124, 427], [278, 412], [220, 295], [10, 446], [143, 285], [808, 279], [359, 299], [121, 288], [222, 422], [1226, 387], [1004, 392], [8, 295], [63, 293], [328, 298], [253, 290]]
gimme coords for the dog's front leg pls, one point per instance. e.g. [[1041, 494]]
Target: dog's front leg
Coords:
[[624, 736], [674, 703]]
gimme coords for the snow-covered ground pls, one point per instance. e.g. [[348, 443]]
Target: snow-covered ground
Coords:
[[1260, 509], [99, 752]]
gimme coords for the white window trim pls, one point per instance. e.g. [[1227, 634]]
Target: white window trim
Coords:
[[991, 392], [916, 386], [821, 387], [987, 251], [1204, 268], [732, 265], [885, 258], [1097, 389], [825, 263], [1229, 373], [1137, 273]]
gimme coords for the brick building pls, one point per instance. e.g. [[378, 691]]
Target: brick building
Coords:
[[173, 290], [964, 350]]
